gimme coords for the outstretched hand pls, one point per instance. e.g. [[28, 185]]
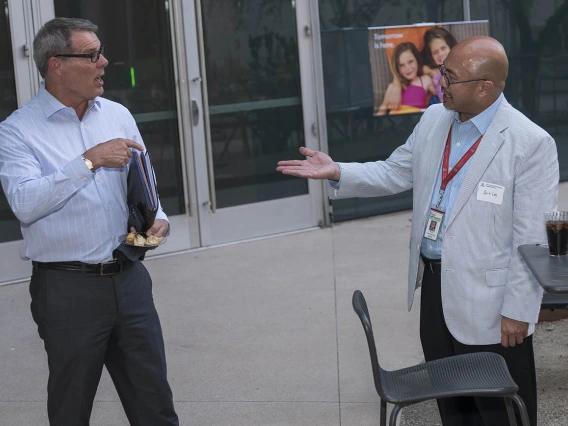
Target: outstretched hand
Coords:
[[317, 165]]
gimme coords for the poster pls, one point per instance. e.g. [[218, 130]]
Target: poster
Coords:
[[405, 59]]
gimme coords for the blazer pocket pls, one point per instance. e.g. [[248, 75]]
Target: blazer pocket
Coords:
[[496, 277]]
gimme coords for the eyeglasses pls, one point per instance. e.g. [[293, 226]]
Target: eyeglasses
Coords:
[[93, 56], [449, 83]]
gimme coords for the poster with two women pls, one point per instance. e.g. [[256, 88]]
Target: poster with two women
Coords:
[[405, 63]]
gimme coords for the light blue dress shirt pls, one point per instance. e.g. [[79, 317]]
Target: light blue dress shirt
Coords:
[[464, 136], [67, 213]]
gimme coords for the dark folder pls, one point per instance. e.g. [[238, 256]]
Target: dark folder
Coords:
[[142, 197]]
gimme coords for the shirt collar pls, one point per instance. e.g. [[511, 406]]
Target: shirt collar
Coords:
[[51, 105], [482, 120]]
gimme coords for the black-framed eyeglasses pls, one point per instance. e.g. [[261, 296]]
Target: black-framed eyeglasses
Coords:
[[93, 56], [449, 83]]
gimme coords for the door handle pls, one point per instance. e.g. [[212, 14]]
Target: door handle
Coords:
[[194, 112]]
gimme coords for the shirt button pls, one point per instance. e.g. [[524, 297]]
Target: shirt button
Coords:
[[458, 144], [108, 208], [99, 180], [82, 125]]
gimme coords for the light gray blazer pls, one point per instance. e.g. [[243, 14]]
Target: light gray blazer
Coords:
[[483, 276]]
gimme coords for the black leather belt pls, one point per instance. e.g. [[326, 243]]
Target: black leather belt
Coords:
[[107, 268], [433, 265]]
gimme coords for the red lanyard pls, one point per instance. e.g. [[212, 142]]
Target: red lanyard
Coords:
[[447, 177]]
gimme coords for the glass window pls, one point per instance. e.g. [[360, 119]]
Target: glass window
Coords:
[[535, 36], [353, 133], [9, 225], [140, 75], [8, 102], [255, 99]]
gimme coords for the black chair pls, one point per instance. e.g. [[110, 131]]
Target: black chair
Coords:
[[480, 374]]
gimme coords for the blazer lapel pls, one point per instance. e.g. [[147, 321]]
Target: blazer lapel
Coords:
[[486, 150]]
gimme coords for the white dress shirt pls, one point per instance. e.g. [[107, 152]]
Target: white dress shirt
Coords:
[[67, 213]]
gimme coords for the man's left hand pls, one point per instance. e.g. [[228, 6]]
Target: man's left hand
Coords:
[[159, 228], [513, 332]]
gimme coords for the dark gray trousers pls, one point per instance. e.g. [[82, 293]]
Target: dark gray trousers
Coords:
[[89, 320], [437, 342]]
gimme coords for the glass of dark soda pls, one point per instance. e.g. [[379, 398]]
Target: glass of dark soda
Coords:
[[557, 232]]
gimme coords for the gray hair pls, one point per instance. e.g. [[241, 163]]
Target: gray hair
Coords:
[[54, 38]]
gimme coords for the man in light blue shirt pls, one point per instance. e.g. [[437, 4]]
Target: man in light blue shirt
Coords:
[[63, 168]]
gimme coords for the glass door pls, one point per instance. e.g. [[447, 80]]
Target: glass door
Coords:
[[141, 46], [143, 75], [18, 82], [218, 98], [253, 104]]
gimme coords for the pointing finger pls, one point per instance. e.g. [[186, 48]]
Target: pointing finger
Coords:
[[132, 144]]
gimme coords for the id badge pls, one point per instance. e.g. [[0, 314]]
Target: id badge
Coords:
[[434, 224]]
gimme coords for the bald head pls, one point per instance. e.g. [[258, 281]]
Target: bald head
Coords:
[[483, 57]]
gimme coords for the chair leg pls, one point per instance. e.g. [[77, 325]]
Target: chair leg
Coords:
[[522, 409], [383, 413], [394, 414], [510, 412]]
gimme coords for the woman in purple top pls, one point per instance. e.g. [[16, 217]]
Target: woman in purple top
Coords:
[[437, 44], [414, 96], [406, 65]]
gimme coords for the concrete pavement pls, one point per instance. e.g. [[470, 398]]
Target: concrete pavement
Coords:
[[257, 333]]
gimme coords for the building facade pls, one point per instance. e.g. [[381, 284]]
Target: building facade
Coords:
[[223, 89]]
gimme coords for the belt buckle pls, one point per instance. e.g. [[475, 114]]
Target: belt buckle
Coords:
[[102, 271]]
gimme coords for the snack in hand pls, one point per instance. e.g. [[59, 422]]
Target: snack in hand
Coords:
[[139, 240], [130, 238], [153, 240]]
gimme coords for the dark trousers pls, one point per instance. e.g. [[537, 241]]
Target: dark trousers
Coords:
[[89, 320], [437, 342]]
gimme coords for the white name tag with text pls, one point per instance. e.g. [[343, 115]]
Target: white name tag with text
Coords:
[[490, 192]]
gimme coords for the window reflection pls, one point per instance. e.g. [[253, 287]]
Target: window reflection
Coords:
[[255, 101], [8, 102], [9, 225]]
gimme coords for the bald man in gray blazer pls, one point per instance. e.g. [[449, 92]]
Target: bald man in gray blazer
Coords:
[[483, 175]]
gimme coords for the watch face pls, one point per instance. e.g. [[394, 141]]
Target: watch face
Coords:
[[88, 163]]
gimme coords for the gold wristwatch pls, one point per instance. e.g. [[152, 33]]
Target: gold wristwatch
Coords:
[[89, 164]]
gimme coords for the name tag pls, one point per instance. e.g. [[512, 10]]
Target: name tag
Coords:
[[490, 192], [434, 223]]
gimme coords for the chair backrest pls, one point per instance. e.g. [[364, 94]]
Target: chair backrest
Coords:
[[360, 307]]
